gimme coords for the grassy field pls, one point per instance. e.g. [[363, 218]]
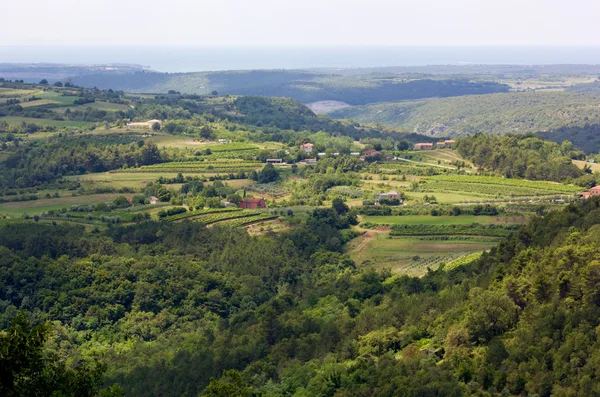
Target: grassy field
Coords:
[[14, 120], [595, 167], [412, 255], [109, 107], [138, 180], [42, 205]]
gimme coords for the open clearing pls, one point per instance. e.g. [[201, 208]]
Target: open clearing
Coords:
[[595, 167]]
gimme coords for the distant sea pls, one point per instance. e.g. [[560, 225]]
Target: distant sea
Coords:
[[176, 59]]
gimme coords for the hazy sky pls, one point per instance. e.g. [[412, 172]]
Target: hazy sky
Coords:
[[300, 22]]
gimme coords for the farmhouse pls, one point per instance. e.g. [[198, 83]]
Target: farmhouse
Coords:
[[369, 153], [445, 144], [595, 191], [423, 146], [389, 196], [274, 161], [307, 147], [253, 203], [144, 124], [154, 200]]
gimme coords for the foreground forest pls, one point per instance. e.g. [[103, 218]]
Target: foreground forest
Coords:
[[133, 263], [168, 307]]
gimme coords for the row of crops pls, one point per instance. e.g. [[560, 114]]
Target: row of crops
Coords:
[[474, 229], [199, 166], [238, 222], [230, 216], [507, 185], [191, 214]]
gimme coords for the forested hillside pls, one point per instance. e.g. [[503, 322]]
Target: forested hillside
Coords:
[[559, 113], [168, 306], [300, 85], [524, 156]]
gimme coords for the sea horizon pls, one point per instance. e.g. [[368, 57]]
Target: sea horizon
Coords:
[[185, 58]]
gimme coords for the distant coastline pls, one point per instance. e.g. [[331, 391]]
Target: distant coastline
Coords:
[[178, 59]]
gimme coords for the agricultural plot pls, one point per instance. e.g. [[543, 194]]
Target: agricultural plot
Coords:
[[441, 220], [199, 213], [493, 186], [44, 205], [413, 255], [273, 189], [15, 120], [199, 167], [249, 220], [109, 107]]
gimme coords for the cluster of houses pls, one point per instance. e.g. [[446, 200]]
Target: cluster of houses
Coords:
[[595, 191], [440, 145]]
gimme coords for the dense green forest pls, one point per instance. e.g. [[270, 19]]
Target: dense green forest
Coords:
[[300, 85], [178, 310], [523, 156], [557, 114], [127, 270]]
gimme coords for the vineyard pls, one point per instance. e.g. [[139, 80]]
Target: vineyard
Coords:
[[230, 216], [463, 260], [191, 214], [238, 222], [273, 189], [199, 166], [489, 185], [231, 147], [419, 266], [474, 229]]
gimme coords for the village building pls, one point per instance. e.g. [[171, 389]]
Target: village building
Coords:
[[274, 161], [253, 203], [311, 161], [307, 147], [389, 196], [369, 153], [423, 146], [445, 144], [153, 200], [595, 191], [143, 124]]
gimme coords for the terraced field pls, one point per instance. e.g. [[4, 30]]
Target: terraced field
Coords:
[[217, 166]]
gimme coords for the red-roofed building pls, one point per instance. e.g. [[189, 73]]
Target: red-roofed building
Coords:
[[423, 146], [307, 147], [253, 203], [595, 191]]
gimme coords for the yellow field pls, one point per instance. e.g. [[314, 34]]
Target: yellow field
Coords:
[[581, 164]]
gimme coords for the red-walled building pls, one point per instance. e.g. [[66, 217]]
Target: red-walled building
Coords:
[[253, 203]]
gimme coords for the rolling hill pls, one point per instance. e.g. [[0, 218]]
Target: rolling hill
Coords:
[[558, 115]]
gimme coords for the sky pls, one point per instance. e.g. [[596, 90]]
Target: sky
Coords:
[[301, 22]]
